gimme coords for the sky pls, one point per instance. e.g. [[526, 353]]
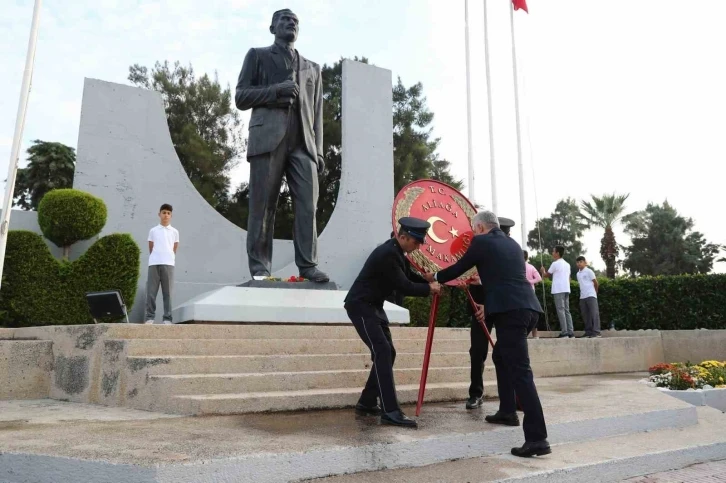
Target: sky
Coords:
[[615, 96]]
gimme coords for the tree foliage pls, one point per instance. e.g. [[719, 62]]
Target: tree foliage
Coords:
[[205, 127], [663, 243], [51, 166], [605, 211]]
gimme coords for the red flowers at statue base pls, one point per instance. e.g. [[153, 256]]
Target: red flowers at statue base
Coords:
[[295, 279]]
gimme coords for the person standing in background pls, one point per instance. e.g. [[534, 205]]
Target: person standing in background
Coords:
[[533, 277], [560, 272], [163, 244]]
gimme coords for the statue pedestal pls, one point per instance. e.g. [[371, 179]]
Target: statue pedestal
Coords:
[[293, 304]]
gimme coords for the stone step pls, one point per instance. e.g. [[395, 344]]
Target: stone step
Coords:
[[254, 331], [217, 347], [162, 365], [270, 382], [201, 404], [612, 459]]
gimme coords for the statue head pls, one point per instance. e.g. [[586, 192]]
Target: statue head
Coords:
[[284, 25]]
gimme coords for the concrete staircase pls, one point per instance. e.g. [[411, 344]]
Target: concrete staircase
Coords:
[[216, 369]]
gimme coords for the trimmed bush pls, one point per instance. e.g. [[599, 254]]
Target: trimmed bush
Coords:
[[38, 289], [67, 216], [665, 303]]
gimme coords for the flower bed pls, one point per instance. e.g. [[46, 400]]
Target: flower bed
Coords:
[[678, 376], [700, 384]]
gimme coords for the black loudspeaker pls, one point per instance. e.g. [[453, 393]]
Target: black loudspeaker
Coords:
[[106, 304]]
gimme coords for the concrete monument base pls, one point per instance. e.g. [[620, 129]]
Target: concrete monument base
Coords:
[[273, 305]]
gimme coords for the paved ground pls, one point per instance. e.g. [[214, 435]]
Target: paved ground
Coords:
[[714, 472], [120, 435]]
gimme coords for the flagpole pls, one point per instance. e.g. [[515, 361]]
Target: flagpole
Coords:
[[19, 126], [522, 209], [492, 164], [472, 184]]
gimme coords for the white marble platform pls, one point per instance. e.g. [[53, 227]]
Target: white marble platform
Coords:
[[268, 305]]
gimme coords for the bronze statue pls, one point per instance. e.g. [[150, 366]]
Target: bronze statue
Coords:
[[285, 92]]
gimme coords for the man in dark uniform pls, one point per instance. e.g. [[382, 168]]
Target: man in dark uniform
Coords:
[[396, 297], [385, 271], [511, 305], [479, 343]]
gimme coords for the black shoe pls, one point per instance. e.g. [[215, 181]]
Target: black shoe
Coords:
[[363, 410], [539, 448], [314, 275], [503, 418], [397, 418], [563, 336], [474, 402]]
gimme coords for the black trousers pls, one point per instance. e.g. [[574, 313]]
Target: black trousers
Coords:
[[514, 374], [372, 326], [291, 160], [478, 355]]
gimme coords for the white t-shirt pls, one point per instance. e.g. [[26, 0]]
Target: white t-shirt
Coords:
[[587, 287], [164, 238], [560, 271]]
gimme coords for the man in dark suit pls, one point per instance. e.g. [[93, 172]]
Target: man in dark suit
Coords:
[[385, 270], [510, 304], [285, 92]]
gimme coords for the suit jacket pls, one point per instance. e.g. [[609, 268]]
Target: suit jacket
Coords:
[[385, 271], [262, 69], [500, 264]]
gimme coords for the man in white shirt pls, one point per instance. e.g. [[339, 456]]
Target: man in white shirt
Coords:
[[560, 273], [163, 243], [588, 298]]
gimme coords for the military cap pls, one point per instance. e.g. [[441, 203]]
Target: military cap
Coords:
[[505, 224], [415, 227]]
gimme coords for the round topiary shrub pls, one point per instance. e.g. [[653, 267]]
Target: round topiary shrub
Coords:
[[67, 216]]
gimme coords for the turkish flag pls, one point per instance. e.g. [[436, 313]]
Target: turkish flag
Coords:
[[520, 4]]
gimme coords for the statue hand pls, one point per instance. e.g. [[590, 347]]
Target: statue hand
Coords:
[[321, 165], [288, 89]]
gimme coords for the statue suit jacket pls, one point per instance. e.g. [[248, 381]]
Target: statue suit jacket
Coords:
[[500, 264], [262, 69]]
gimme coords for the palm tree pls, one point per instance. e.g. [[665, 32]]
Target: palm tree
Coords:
[[50, 166], [605, 211]]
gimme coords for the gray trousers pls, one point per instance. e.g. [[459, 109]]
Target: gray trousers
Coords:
[[562, 304], [590, 315], [159, 275], [291, 160]]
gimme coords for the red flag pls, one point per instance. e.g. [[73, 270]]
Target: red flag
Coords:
[[520, 4]]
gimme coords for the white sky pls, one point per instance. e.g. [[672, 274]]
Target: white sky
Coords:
[[617, 95]]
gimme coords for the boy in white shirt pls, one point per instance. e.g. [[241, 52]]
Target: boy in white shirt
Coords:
[[163, 243], [588, 298], [560, 272]]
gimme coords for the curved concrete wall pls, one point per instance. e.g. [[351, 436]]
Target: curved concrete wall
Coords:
[[125, 156]]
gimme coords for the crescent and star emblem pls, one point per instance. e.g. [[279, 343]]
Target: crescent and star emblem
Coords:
[[432, 234]]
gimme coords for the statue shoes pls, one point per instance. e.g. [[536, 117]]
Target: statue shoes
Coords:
[[314, 275]]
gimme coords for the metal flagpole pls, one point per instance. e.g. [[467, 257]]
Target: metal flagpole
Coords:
[[19, 125], [522, 209], [472, 184], [492, 164]]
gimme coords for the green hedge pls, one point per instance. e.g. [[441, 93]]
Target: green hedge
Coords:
[[38, 289], [666, 303], [67, 216]]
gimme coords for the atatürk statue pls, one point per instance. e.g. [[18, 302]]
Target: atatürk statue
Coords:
[[285, 92]]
